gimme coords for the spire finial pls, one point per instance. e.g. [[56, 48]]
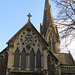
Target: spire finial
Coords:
[[29, 15]]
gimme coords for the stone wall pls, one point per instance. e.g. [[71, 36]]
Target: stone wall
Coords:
[[3, 63]]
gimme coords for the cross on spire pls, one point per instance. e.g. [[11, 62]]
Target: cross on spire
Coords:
[[29, 15]]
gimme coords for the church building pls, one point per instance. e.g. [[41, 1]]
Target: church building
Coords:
[[32, 53]]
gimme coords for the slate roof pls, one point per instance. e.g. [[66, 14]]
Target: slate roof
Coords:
[[64, 58]]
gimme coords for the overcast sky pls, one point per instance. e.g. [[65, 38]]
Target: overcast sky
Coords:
[[13, 15]]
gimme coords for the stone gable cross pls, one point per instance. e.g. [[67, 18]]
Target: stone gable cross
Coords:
[[29, 15]]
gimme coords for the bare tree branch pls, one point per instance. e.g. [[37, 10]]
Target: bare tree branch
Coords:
[[66, 22]]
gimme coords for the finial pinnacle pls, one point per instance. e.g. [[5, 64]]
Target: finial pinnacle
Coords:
[[29, 15]]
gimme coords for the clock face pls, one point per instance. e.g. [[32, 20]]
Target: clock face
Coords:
[[28, 39]]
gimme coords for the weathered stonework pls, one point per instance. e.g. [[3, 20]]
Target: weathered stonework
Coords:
[[36, 53]]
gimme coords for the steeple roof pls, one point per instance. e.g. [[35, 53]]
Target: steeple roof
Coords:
[[48, 17], [47, 3]]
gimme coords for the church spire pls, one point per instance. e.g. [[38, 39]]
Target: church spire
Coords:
[[48, 17], [47, 3], [49, 29]]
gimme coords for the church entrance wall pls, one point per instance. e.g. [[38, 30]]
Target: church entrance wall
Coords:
[[26, 74]]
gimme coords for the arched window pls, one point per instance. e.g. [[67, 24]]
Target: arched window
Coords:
[[23, 59], [32, 59], [38, 60], [49, 42], [16, 58], [53, 44]]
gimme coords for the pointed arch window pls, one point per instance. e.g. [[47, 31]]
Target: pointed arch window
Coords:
[[32, 59], [16, 58], [49, 42], [23, 59], [38, 60], [53, 44]]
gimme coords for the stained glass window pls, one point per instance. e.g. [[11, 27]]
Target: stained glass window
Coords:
[[32, 59], [38, 59], [23, 59], [16, 58]]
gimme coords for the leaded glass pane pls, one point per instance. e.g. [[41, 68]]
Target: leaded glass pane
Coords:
[[23, 59], [32, 60], [16, 58], [38, 60]]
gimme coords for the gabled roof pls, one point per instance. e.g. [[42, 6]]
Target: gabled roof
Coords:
[[26, 26], [64, 58]]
